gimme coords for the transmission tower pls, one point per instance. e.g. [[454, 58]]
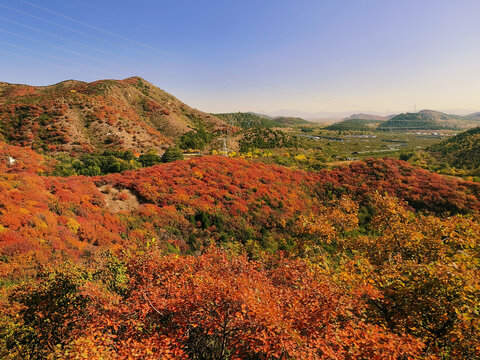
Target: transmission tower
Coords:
[[225, 139], [225, 147]]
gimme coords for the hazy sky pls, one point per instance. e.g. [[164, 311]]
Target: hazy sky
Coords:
[[256, 55]]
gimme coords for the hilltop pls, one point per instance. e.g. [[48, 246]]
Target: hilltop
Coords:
[[423, 120], [355, 124], [249, 119], [290, 120], [74, 116], [428, 120]]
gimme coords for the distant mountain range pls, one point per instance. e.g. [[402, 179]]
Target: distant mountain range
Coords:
[[330, 116], [322, 116], [423, 120], [474, 115], [429, 120], [368, 117]]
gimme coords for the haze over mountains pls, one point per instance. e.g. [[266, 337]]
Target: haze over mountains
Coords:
[[423, 120], [369, 117], [329, 116]]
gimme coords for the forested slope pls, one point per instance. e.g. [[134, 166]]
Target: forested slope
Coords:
[[221, 258]]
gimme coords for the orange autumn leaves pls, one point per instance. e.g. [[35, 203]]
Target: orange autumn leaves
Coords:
[[428, 273], [339, 264], [220, 306]]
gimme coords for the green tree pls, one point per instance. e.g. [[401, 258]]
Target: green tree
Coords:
[[150, 159], [172, 154]]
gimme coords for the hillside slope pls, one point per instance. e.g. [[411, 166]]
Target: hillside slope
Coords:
[[125, 265], [475, 115], [191, 203], [74, 116], [460, 151]]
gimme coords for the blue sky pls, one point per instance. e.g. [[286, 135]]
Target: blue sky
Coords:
[[256, 55]]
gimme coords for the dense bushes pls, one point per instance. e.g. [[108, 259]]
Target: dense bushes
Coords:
[[313, 265], [106, 162], [196, 139], [216, 306], [248, 120], [110, 161], [172, 154]]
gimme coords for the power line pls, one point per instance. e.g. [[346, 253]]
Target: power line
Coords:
[[61, 37], [291, 93], [57, 47], [269, 87], [171, 35], [69, 28], [272, 100], [47, 55], [95, 27]]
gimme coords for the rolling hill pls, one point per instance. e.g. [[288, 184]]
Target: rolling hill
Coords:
[[355, 124], [474, 116], [73, 116], [247, 120], [170, 202], [460, 151], [428, 120], [290, 121]]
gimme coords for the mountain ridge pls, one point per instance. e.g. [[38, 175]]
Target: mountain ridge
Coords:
[[76, 116]]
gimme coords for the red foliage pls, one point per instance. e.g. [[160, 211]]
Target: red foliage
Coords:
[[221, 306], [175, 306], [210, 198], [421, 189]]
